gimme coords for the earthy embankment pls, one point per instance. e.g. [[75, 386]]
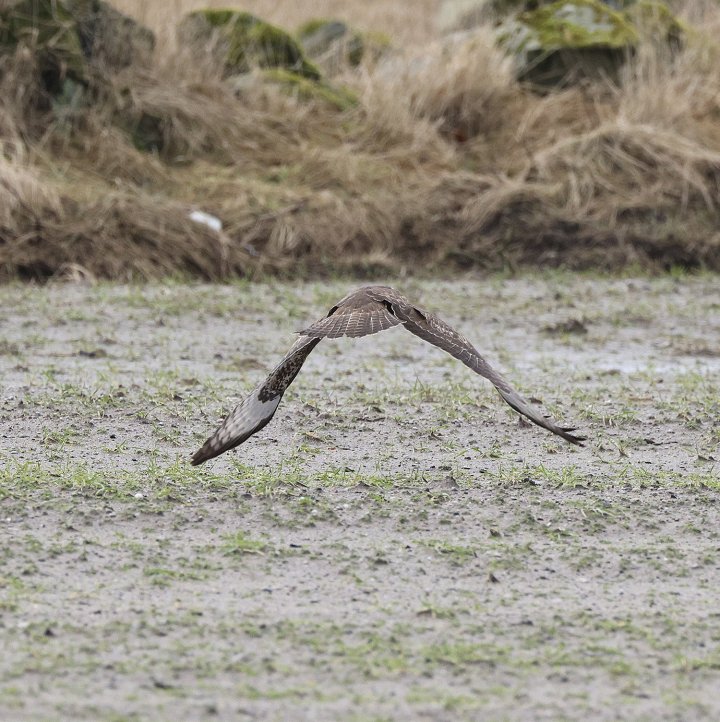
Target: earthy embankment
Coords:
[[439, 161]]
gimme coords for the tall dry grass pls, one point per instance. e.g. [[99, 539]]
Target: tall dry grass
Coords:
[[446, 162], [406, 23]]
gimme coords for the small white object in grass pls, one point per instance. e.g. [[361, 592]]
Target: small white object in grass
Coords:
[[206, 219], [139, 495]]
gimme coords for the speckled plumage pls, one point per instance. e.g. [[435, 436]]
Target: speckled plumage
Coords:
[[367, 310]]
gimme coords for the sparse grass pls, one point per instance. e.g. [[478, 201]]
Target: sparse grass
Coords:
[[394, 543], [457, 552], [567, 476], [153, 482], [239, 543], [163, 577], [59, 437]]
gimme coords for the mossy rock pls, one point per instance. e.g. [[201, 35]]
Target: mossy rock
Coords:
[[336, 44], [48, 28], [69, 36], [320, 37], [243, 42], [312, 90], [566, 41], [146, 130], [467, 14], [655, 19], [108, 37], [578, 24]]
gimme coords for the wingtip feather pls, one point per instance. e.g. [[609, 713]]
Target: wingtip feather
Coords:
[[200, 456], [572, 438]]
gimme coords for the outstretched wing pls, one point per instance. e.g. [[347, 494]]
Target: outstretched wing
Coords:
[[366, 311], [433, 329], [354, 321], [259, 407]]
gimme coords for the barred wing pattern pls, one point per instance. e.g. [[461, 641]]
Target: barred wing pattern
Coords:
[[354, 322], [259, 407], [368, 310], [433, 329], [440, 334]]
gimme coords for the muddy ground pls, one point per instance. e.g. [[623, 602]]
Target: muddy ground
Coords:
[[394, 545]]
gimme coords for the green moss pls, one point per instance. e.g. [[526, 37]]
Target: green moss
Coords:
[[653, 17], [218, 18], [312, 90], [592, 23], [49, 29], [246, 42], [377, 38], [310, 27], [579, 24], [563, 42], [319, 35]]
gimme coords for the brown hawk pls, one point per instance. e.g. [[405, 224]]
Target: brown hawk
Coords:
[[366, 311]]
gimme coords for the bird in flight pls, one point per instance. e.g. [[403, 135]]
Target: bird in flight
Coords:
[[363, 312]]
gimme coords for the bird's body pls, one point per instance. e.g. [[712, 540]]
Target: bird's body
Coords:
[[366, 311]]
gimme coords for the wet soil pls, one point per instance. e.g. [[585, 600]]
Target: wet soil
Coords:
[[395, 544]]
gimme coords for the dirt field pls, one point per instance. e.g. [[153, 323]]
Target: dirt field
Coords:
[[394, 545]]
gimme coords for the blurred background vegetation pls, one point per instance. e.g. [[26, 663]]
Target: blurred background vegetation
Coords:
[[190, 139]]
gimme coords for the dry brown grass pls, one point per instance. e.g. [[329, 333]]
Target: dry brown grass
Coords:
[[404, 22], [446, 162]]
